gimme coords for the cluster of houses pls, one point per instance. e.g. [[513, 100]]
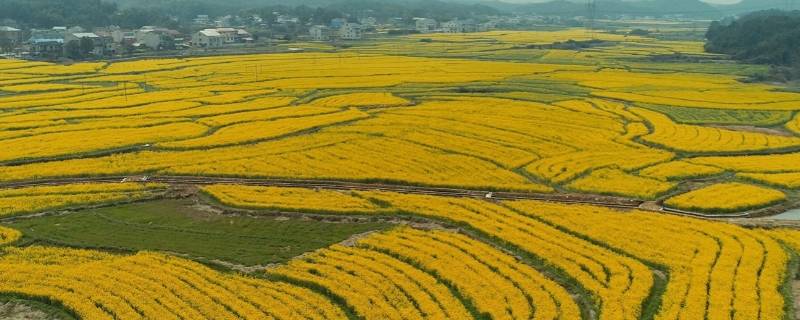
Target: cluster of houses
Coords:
[[109, 41], [341, 29], [338, 29], [427, 25], [218, 32]]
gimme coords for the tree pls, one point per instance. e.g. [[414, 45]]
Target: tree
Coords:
[[6, 45], [73, 50], [86, 46], [765, 37]]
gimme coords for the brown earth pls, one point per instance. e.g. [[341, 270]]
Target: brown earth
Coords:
[[772, 131], [19, 311]]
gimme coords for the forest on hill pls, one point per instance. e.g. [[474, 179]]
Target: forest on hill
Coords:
[[766, 37]]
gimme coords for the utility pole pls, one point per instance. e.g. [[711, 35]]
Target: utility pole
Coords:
[[125, 91], [591, 9]]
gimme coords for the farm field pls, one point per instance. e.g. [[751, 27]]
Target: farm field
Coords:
[[446, 176]]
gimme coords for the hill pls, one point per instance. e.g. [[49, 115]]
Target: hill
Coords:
[[615, 8], [765, 37], [746, 6]]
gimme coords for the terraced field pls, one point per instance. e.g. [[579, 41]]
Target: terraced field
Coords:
[[419, 177]]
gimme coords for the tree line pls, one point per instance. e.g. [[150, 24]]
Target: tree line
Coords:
[[179, 13], [769, 37]]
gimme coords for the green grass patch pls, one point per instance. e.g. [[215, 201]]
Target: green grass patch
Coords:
[[177, 226], [759, 118]]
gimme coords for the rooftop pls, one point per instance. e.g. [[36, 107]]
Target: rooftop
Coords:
[[85, 35], [210, 33]]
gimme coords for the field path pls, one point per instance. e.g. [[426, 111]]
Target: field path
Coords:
[[567, 198]]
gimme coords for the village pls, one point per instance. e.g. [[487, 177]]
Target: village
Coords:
[[208, 35]]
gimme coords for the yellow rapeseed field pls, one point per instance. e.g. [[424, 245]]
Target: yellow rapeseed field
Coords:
[[96, 285], [745, 280], [36, 199], [488, 111], [8, 235], [701, 139], [370, 99], [786, 180], [620, 183], [726, 197], [677, 170], [226, 116]]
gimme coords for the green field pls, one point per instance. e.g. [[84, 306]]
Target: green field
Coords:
[[177, 226]]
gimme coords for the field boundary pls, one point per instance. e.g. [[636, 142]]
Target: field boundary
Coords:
[[566, 198]]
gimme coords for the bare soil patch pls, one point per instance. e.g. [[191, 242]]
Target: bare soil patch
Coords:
[[772, 131], [12, 310]]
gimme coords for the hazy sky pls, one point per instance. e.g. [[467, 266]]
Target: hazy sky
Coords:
[[709, 1]]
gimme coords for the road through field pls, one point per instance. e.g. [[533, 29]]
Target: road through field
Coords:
[[569, 198], [600, 200]]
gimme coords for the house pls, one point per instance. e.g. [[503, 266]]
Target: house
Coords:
[[483, 27], [232, 35], [54, 33], [243, 36], [351, 31], [98, 43], [123, 36], [42, 47], [338, 23], [425, 25], [10, 35], [156, 38], [320, 33], [458, 26], [208, 38], [368, 22], [63, 30], [229, 35], [107, 40]]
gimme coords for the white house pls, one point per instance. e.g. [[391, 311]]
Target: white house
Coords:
[[208, 38], [229, 35], [351, 31], [11, 35], [320, 33], [125, 36], [458, 26], [150, 39], [425, 25]]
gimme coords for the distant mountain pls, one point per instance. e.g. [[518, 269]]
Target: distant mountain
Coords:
[[567, 8], [755, 5], [613, 8]]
